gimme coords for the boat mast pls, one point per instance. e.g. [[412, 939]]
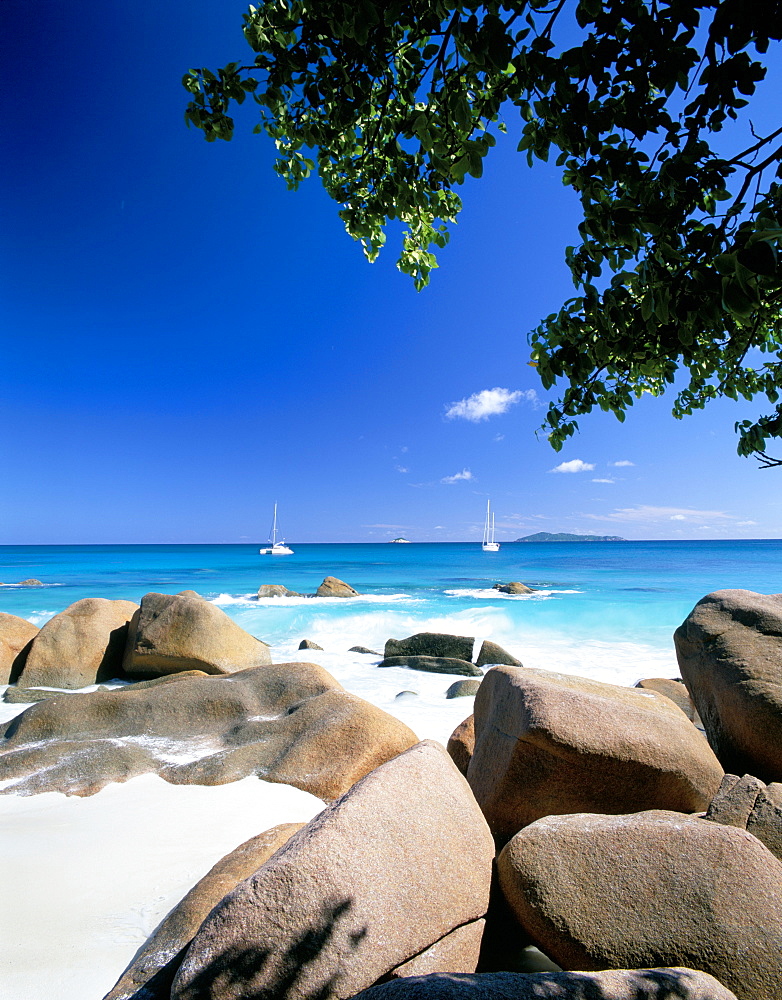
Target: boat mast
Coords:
[[274, 526]]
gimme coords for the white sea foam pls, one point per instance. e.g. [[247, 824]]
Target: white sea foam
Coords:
[[485, 593], [40, 618], [251, 601]]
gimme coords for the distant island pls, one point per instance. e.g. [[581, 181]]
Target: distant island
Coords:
[[563, 536], [400, 541]]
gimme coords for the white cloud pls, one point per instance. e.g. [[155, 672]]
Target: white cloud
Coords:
[[746, 524], [603, 480], [401, 468], [621, 463], [499, 437], [458, 477], [648, 514], [488, 403], [574, 465]]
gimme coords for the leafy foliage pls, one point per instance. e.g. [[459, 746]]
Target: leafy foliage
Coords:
[[677, 271]]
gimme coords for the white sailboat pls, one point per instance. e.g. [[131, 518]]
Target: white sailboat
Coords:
[[489, 545], [276, 548]]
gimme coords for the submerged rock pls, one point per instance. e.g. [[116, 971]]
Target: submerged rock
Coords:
[[433, 665], [332, 587], [363, 649], [438, 644], [442, 645], [275, 590], [463, 689], [491, 653], [514, 587]]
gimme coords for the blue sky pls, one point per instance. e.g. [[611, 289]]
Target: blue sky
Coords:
[[185, 342]]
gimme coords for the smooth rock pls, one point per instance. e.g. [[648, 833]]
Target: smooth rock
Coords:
[[457, 647], [28, 696], [461, 744], [458, 951], [189, 593], [332, 587], [463, 689], [290, 723], [677, 692], [309, 644], [730, 656], [16, 635], [392, 867], [653, 888], [169, 634], [363, 649], [548, 743], [750, 805], [634, 984], [433, 665], [275, 590], [165, 679], [82, 645], [514, 587], [492, 653], [150, 974], [32, 582]]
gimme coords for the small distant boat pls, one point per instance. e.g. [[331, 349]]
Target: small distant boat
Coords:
[[489, 545], [276, 548], [399, 541]]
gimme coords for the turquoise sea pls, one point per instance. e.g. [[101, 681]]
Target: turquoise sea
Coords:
[[604, 608]]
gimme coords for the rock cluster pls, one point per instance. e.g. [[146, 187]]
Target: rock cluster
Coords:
[[750, 805], [457, 647], [331, 587], [82, 645], [619, 847]]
